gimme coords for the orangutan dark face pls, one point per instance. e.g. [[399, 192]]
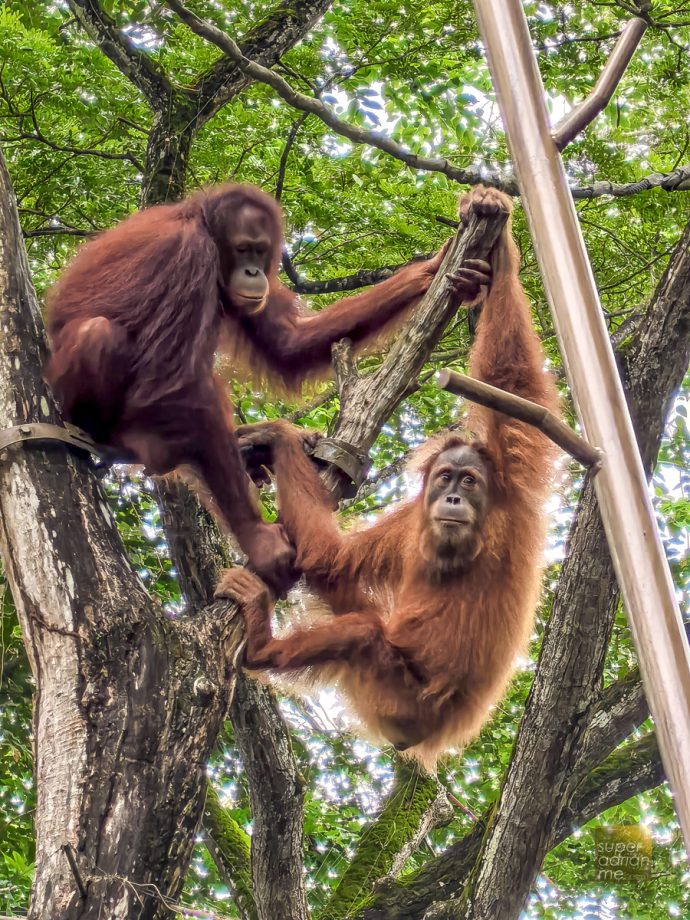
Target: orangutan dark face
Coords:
[[456, 502], [247, 256]]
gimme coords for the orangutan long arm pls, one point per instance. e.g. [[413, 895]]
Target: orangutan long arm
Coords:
[[507, 354], [299, 344]]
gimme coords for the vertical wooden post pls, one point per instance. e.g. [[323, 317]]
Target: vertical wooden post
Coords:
[[621, 487]]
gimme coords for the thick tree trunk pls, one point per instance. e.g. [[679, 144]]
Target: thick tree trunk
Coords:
[[128, 702], [167, 156]]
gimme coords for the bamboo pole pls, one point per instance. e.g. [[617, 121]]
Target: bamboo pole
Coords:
[[525, 411], [621, 487]]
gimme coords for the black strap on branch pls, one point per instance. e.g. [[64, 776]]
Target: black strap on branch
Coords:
[[352, 463], [67, 434]]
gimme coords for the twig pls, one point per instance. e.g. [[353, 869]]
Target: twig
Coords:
[[320, 400], [586, 111], [463, 808], [289, 143], [525, 411]]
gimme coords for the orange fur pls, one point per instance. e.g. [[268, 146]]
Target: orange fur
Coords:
[[421, 654], [135, 321]]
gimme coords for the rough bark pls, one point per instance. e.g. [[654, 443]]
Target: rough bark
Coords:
[[275, 786], [136, 64], [276, 792], [128, 702], [367, 402], [167, 153]]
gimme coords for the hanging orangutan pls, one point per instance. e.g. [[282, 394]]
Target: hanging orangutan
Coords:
[[432, 604], [135, 321]]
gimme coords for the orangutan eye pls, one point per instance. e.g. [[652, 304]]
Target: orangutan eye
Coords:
[[468, 480], [444, 477]]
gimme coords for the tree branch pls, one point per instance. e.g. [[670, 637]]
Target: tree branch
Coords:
[[677, 180], [524, 411], [621, 708], [362, 278], [372, 399], [276, 791], [416, 805], [633, 769], [228, 845], [275, 34], [586, 111], [314, 106], [199, 552], [135, 64]]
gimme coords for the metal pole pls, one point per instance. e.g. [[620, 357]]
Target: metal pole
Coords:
[[621, 487]]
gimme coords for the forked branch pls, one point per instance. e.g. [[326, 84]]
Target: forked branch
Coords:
[[586, 111]]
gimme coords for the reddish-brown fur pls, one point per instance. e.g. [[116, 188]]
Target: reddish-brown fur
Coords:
[[135, 321], [422, 651]]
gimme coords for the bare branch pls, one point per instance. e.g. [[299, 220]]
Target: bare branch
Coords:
[[55, 231], [351, 282], [678, 180], [586, 111], [275, 34], [315, 107], [525, 411], [135, 64], [74, 151]]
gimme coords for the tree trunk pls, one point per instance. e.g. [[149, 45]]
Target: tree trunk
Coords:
[[128, 702]]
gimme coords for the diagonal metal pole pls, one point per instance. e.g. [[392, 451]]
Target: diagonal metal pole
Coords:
[[621, 487]]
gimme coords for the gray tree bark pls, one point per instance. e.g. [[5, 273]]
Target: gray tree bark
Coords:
[[128, 702]]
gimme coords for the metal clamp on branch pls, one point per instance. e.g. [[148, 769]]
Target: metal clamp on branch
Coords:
[[354, 464], [525, 411], [66, 434]]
